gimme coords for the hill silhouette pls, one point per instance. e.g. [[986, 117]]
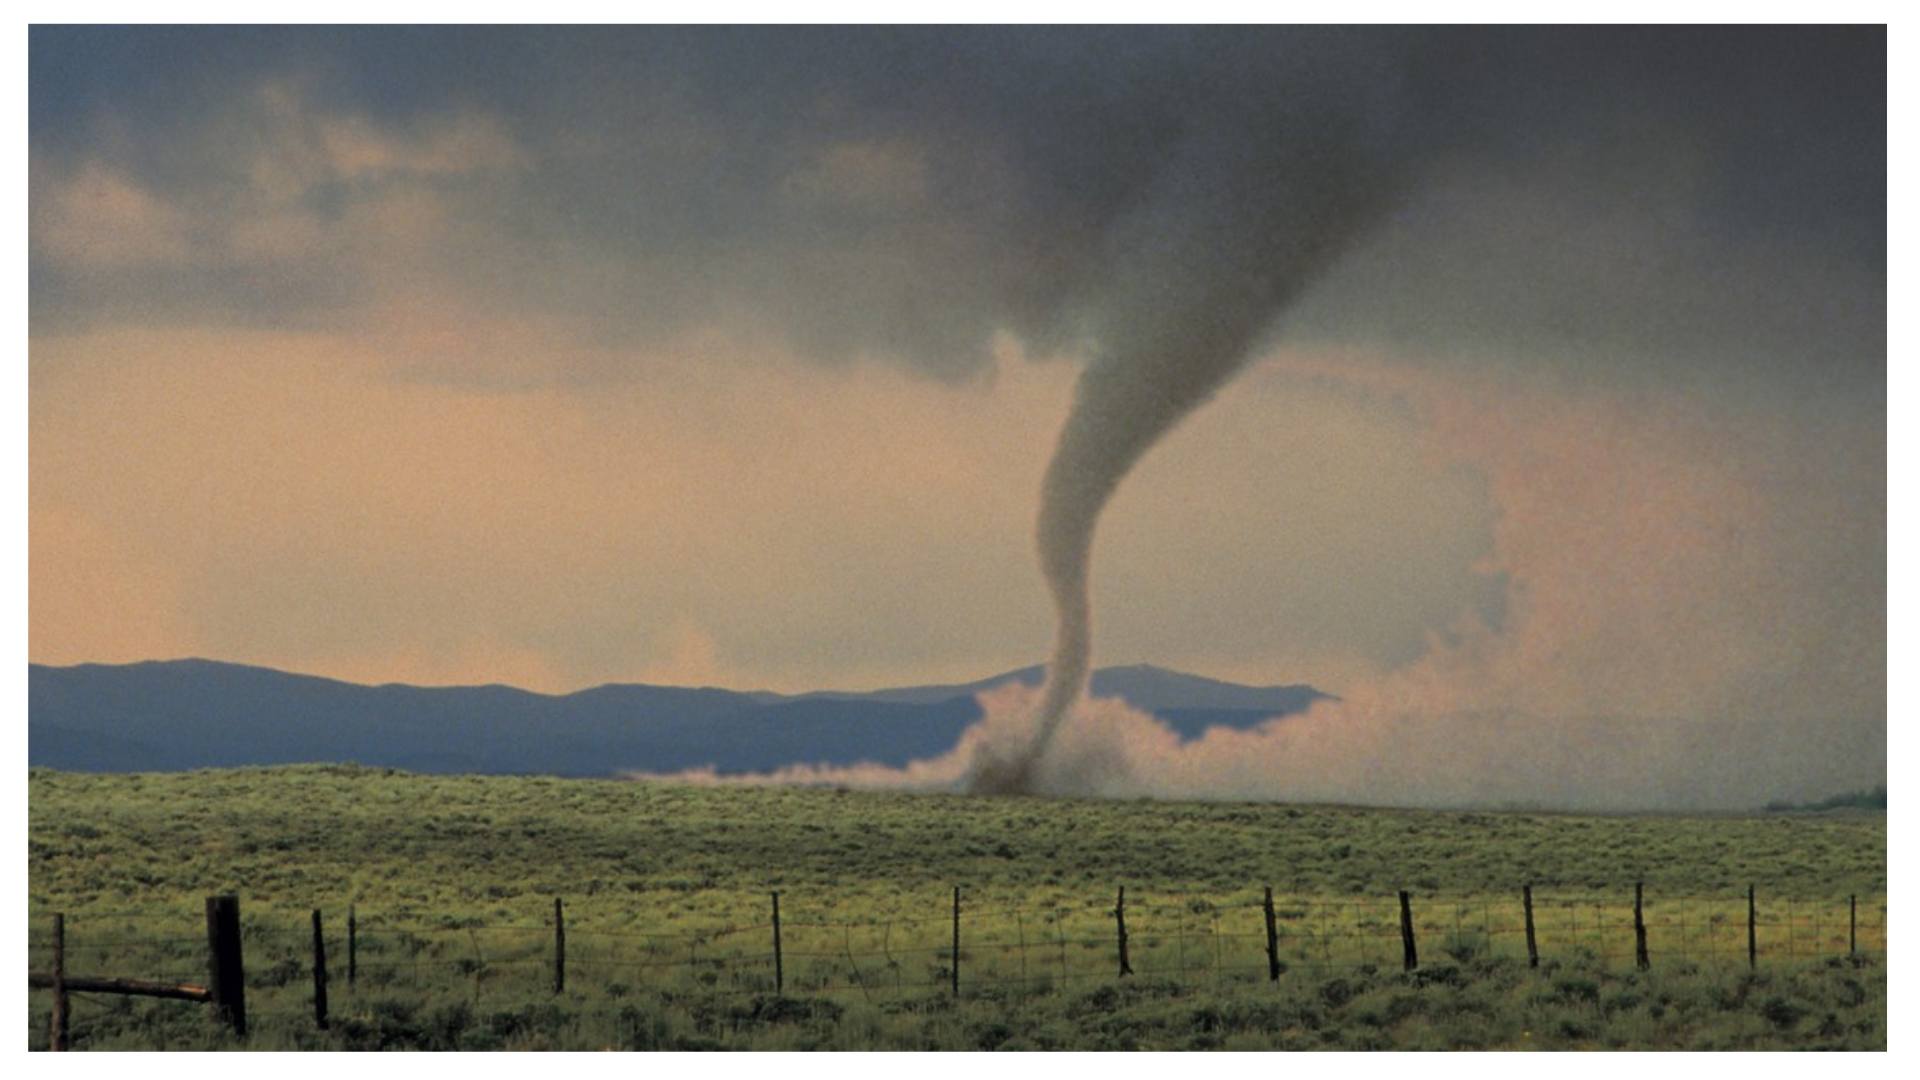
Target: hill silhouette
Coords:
[[161, 716]]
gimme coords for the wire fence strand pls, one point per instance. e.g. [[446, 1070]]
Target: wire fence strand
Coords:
[[1004, 949]]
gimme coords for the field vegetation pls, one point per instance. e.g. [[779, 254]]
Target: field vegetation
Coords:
[[668, 894]]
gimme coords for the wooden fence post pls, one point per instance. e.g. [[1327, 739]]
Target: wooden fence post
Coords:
[[226, 973], [1639, 929], [1412, 958], [1533, 948], [1020, 928], [559, 947], [956, 942], [1120, 920], [57, 1029], [353, 945], [1852, 923], [1753, 934], [779, 970], [319, 974], [1273, 940]]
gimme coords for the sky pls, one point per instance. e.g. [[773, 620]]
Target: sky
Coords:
[[1550, 430]]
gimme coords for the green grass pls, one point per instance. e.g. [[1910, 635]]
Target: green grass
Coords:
[[667, 893]]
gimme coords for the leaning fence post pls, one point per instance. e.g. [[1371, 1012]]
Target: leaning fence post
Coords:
[[319, 974], [57, 1027], [1120, 920], [226, 973], [779, 973], [955, 970], [1639, 929], [1273, 941], [1406, 930], [1753, 933], [559, 947], [1533, 947]]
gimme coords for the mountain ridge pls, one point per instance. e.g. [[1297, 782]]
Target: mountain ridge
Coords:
[[170, 715]]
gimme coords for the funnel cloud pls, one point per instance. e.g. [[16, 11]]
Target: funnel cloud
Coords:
[[1246, 211]]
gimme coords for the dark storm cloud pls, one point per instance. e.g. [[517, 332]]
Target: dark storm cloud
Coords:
[[904, 193], [1690, 205], [690, 175]]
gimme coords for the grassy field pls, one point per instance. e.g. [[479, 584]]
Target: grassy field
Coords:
[[668, 896]]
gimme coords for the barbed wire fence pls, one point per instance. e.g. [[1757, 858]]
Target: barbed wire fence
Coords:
[[956, 949]]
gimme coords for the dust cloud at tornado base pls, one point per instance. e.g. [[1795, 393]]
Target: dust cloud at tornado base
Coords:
[[1612, 682]]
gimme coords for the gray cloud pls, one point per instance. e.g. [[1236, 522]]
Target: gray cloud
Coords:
[[1566, 178]]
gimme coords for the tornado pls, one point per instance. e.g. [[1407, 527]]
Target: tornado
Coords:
[[1247, 211]]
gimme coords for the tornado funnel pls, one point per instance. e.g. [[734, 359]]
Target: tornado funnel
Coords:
[[1249, 210]]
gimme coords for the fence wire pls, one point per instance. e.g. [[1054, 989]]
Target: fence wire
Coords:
[[1003, 949]]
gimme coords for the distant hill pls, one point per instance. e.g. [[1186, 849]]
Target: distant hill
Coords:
[[163, 716], [1869, 799], [1143, 686]]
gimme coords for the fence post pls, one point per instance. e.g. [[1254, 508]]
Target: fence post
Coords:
[[319, 974], [1406, 930], [559, 947], [1120, 920], [956, 942], [226, 973], [353, 945], [1273, 941], [1020, 928], [1753, 934], [779, 972], [1852, 923], [1639, 929], [57, 1028], [1533, 947]]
